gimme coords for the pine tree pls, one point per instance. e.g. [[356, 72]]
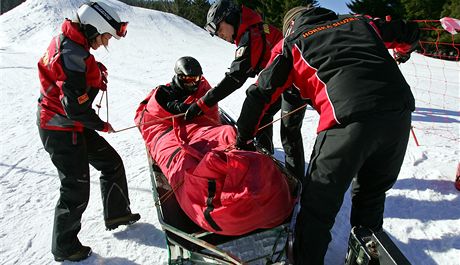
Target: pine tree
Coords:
[[273, 11], [378, 8], [199, 11], [423, 9], [451, 9]]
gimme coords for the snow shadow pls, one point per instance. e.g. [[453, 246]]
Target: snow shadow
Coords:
[[444, 187], [435, 115], [421, 248], [143, 233], [424, 210], [22, 169], [98, 259]]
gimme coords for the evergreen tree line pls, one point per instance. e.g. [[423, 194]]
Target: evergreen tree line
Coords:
[[192, 10], [196, 10], [407, 9], [273, 11]]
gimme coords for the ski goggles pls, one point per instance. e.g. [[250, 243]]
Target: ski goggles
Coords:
[[190, 79], [122, 29]]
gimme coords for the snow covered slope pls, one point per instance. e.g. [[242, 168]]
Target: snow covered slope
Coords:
[[422, 213]]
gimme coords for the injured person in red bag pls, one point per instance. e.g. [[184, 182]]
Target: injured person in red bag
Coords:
[[220, 188]]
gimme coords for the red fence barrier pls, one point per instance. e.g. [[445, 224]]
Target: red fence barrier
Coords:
[[444, 45]]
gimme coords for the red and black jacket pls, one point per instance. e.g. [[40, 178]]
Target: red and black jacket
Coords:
[[70, 79], [340, 63], [254, 41]]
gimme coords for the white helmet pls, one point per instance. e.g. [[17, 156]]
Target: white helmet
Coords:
[[103, 18]]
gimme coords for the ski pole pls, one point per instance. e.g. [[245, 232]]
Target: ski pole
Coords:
[[100, 101], [107, 104]]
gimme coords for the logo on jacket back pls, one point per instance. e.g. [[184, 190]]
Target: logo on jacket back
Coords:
[[329, 26]]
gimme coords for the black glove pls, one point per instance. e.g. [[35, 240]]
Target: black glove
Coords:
[[192, 112], [182, 107], [401, 57], [247, 145]]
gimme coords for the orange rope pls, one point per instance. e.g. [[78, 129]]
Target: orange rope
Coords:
[[169, 193], [283, 116], [149, 122]]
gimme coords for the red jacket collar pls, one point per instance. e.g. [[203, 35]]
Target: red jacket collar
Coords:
[[249, 17], [72, 31]]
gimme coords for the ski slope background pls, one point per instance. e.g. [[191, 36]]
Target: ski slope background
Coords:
[[422, 211]]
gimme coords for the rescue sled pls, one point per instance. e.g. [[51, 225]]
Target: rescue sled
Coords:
[[368, 248], [188, 243]]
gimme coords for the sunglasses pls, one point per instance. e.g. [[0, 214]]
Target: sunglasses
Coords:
[[190, 79]]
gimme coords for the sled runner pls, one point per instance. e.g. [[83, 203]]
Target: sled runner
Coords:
[[368, 248], [189, 243]]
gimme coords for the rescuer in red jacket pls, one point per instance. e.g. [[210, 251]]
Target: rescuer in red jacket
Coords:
[[254, 40], [364, 103], [70, 79]]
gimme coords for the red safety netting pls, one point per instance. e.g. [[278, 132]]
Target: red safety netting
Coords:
[[437, 42], [435, 85]]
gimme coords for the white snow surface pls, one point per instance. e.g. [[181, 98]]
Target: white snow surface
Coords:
[[422, 213]]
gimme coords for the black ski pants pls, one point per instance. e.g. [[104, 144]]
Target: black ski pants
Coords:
[[265, 136], [71, 153], [291, 136], [290, 127], [368, 153]]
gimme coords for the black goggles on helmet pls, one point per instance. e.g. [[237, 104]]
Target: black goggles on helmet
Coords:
[[120, 27]]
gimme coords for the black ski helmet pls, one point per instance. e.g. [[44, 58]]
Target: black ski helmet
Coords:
[[222, 10], [187, 66]]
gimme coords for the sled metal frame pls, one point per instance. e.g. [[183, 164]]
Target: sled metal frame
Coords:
[[368, 248], [189, 244]]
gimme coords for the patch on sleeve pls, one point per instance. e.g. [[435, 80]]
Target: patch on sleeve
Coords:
[[46, 58], [240, 51], [83, 98], [266, 29]]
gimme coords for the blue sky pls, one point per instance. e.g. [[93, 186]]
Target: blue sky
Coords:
[[338, 6]]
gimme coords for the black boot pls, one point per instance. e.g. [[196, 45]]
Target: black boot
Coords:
[[81, 254], [128, 219]]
